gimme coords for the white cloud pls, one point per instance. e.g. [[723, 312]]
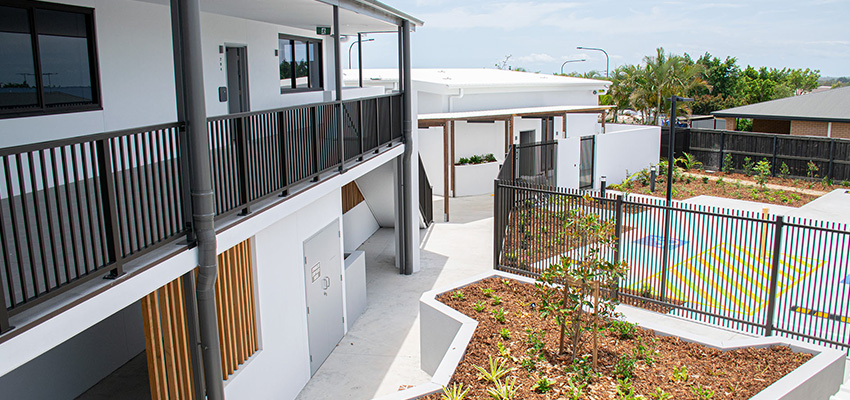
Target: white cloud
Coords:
[[535, 58]]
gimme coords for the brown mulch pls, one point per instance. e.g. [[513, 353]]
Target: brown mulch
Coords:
[[687, 187], [796, 183], [736, 374]]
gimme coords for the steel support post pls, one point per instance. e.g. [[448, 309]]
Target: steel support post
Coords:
[[774, 275], [407, 156]]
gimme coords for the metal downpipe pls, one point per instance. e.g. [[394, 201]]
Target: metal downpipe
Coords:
[[407, 156], [202, 195]]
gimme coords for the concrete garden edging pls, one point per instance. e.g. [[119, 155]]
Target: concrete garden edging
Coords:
[[445, 333]]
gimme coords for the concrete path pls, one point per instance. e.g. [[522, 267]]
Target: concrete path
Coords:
[[380, 353]]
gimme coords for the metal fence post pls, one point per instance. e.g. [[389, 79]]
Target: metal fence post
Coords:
[[774, 276], [242, 166], [618, 234], [109, 205], [497, 224], [281, 142], [515, 164]]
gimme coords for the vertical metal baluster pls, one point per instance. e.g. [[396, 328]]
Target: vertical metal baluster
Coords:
[[88, 259], [39, 229]]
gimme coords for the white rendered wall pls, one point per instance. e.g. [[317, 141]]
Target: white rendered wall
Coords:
[[377, 188], [479, 138], [358, 224], [625, 152], [136, 76], [281, 368], [431, 152], [582, 124]]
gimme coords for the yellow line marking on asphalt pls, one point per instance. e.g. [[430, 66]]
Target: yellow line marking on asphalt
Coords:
[[728, 279], [740, 272], [710, 299]]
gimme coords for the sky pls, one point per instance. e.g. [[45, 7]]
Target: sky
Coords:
[[540, 35]]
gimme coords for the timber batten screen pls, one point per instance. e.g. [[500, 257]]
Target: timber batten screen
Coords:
[[351, 197], [234, 290], [167, 343]]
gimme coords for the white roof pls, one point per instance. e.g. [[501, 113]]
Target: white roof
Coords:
[[465, 115], [456, 78]]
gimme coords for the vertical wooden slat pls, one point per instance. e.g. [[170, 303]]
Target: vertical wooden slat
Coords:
[[153, 345], [220, 310], [249, 297], [243, 313], [238, 345], [184, 365], [168, 342]]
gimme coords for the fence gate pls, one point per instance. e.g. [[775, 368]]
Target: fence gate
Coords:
[[586, 161]]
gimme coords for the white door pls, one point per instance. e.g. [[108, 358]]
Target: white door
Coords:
[[323, 272]]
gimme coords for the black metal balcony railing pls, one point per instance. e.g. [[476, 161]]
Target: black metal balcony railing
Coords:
[[426, 195], [76, 209], [260, 154]]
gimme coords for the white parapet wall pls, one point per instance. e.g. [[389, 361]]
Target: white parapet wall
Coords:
[[622, 151], [472, 180]]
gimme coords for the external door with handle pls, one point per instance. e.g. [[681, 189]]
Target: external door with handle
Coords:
[[323, 273]]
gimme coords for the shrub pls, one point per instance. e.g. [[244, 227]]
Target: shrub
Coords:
[[784, 171], [499, 314], [622, 329], [463, 161], [543, 385], [748, 166], [728, 164], [457, 392], [496, 370], [812, 169], [704, 179], [489, 157], [762, 170], [625, 367], [479, 306], [476, 160], [564, 288], [688, 161]]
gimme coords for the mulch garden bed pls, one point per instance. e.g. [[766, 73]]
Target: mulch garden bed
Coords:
[[796, 183], [688, 186], [735, 374]]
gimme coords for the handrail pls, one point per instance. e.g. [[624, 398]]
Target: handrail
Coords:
[[295, 107], [24, 148]]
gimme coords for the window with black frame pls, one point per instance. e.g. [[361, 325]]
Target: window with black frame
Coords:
[[47, 59], [300, 64]]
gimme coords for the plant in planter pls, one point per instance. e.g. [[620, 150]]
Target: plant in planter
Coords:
[[457, 392], [489, 157], [565, 288], [476, 159]]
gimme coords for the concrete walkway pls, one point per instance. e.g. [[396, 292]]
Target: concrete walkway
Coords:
[[380, 353]]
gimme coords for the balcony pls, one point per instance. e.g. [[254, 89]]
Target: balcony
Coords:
[[81, 208]]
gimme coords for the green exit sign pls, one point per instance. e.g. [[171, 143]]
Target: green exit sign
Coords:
[[323, 30]]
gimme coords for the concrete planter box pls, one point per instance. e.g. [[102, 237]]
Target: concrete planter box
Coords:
[[475, 179], [445, 334]]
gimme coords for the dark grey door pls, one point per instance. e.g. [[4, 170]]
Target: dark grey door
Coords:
[[237, 79], [527, 155], [323, 273], [586, 160]]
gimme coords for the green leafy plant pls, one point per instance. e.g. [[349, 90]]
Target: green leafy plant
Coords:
[[719, 182], [476, 159], [487, 292], [660, 395], [505, 333], [784, 171], [624, 367], [581, 370], [496, 300], [762, 171], [535, 342], [622, 329], [645, 352], [688, 161], [478, 306], [702, 392], [504, 391], [564, 288], [543, 385], [625, 391], [499, 314], [457, 392], [728, 164], [749, 164], [812, 169], [704, 179], [528, 363], [504, 352], [826, 181], [680, 374], [496, 371], [489, 157], [457, 295], [463, 161], [575, 389]]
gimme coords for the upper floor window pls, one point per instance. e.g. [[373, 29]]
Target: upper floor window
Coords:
[[300, 64], [47, 59]]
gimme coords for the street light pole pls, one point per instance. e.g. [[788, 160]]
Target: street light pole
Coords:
[[352, 46], [671, 164], [569, 61], [598, 49]]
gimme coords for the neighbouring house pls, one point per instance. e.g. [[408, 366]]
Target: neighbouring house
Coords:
[[182, 183], [475, 112], [823, 113]]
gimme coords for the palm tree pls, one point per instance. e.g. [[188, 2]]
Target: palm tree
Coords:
[[670, 75]]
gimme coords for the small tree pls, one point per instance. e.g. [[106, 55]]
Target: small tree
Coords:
[[728, 164], [762, 170], [565, 288]]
